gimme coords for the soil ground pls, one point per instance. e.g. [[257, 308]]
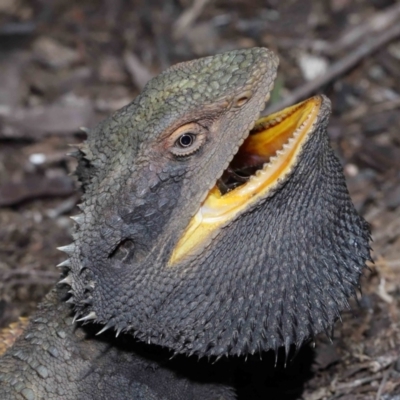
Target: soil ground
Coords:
[[65, 64]]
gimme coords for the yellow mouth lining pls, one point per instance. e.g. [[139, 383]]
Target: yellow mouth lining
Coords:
[[275, 143]]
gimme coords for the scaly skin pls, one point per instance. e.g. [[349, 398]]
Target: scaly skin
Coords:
[[276, 273], [55, 359]]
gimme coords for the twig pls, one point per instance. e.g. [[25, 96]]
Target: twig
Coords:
[[357, 382], [18, 28], [338, 68], [139, 73], [33, 187], [359, 112], [393, 264], [63, 208], [383, 383], [5, 275], [382, 293], [27, 277], [29, 281], [187, 18], [376, 24]]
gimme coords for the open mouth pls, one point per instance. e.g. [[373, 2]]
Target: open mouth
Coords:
[[264, 160]]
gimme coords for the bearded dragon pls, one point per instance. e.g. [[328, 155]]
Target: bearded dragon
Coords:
[[205, 228]]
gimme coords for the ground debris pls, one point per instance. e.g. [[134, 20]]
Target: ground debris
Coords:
[[53, 54], [56, 119]]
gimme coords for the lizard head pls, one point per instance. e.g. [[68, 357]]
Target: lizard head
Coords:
[[208, 229]]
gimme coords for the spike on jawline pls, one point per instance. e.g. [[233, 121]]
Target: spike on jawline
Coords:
[[216, 359], [74, 153], [90, 286], [119, 330], [67, 281], [297, 348], [105, 328], [276, 358], [69, 249], [78, 219], [90, 316], [329, 334], [87, 302], [287, 351], [76, 316], [65, 264]]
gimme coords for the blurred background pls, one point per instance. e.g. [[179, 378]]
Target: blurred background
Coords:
[[65, 64]]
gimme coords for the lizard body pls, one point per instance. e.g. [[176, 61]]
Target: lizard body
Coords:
[[204, 229], [56, 359]]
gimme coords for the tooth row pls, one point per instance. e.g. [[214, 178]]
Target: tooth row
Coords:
[[279, 153], [275, 121], [271, 123]]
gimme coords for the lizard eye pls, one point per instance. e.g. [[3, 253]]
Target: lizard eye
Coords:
[[187, 139]]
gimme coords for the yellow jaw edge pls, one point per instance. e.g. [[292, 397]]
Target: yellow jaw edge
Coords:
[[277, 138]]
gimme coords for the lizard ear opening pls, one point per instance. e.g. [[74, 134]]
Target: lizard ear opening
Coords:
[[123, 251]]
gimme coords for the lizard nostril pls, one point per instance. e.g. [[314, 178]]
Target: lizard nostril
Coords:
[[124, 250], [242, 98], [241, 101]]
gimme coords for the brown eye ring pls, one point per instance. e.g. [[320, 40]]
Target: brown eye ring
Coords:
[[187, 140]]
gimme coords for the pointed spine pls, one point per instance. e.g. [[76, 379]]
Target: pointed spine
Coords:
[[69, 249], [287, 350], [87, 302], [66, 281], [89, 287], [105, 328], [90, 316], [65, 264], [79, 219], [74, 154]]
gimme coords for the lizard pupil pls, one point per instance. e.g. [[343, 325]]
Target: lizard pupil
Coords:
[[186, 140]]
